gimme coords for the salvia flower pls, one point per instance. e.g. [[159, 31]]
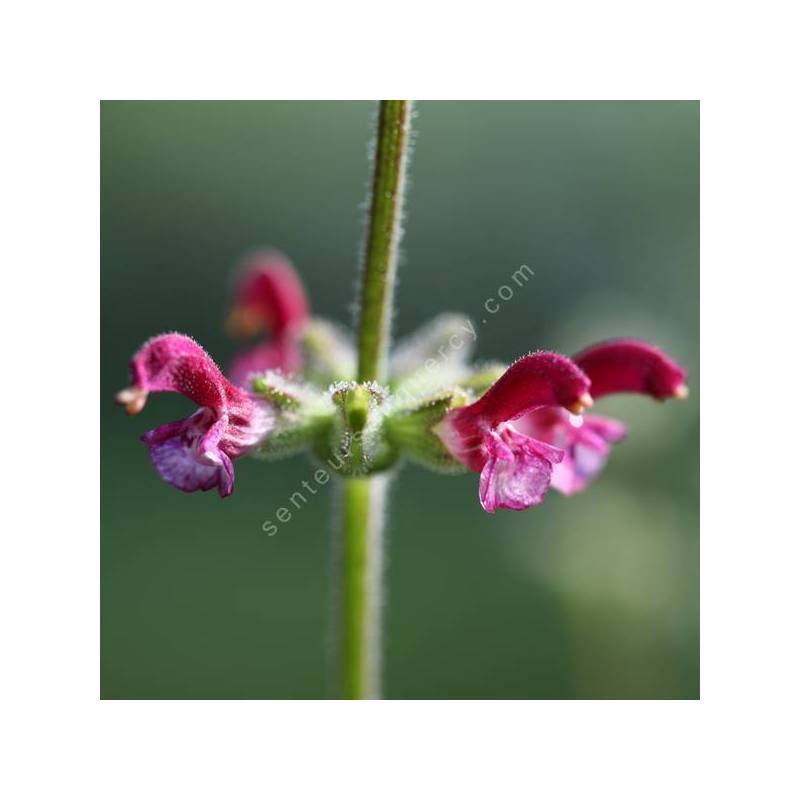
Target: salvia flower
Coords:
[[521, 427], [195, 453], [522, 442], [515, 469], [621, 365], [268, 297]]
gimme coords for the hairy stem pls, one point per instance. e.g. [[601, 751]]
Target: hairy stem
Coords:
[[364, 498], [362, 579], [383, 236]]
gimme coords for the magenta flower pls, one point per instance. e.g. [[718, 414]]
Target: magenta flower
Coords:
[[269, 295], [515, 468], [195, 453], [522, 442], [621, 365]]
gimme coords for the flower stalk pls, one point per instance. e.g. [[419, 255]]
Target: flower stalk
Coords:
[[363, 498], [383, 238]]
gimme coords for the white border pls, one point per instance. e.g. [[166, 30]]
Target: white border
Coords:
[[59, 59]]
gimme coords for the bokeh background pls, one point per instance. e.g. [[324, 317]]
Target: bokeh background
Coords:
[[595, 596]]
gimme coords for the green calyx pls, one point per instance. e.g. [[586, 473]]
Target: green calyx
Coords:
[[303, 414], [411, 428]]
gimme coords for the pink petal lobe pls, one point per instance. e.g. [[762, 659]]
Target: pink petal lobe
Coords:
[[185, 455], [585, 440], [517, 472], [581, 465]]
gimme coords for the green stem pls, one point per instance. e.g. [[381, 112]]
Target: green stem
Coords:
[[362, 578], [383, 237], [364, 498]]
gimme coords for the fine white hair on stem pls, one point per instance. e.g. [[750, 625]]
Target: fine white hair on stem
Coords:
[[376, 584]]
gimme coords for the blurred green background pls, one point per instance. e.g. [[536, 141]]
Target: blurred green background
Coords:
[[595, 596]]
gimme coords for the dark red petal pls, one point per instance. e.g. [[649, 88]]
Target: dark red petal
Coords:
[[173, 362], [629, 365], [152, 363], [538, 379], [270, 286]]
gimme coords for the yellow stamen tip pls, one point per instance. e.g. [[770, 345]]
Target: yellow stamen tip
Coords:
[[581, 404], [133, 399]]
